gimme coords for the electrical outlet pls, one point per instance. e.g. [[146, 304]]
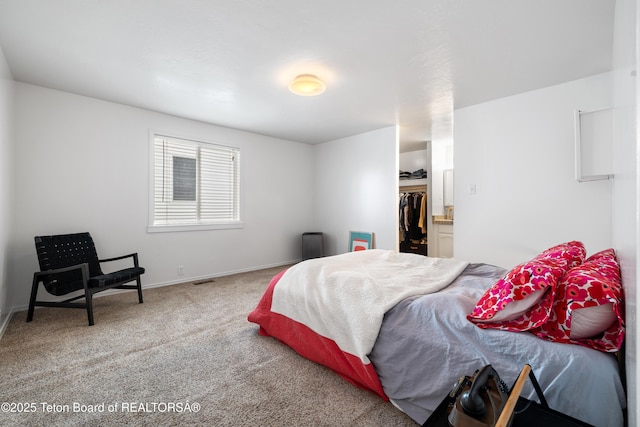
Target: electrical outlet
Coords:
[[180, 270]]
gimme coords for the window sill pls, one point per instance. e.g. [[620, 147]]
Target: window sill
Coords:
[[193, 227]]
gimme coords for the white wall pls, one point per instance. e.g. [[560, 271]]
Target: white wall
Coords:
[[6, 139], [626, 230], [81, 164], [410, 161], [356, 189], [518, 152], [441, 159]]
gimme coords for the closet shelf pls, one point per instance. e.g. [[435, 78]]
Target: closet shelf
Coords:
[[408, 182]]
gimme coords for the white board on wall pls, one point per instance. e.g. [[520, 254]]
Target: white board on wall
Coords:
[[594, 144]]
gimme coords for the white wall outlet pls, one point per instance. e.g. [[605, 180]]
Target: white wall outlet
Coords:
[[180, 270]]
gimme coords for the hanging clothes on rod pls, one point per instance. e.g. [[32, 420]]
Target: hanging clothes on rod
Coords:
[[412, 216]]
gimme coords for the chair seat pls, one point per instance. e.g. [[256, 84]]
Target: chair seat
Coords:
[[121, 276]]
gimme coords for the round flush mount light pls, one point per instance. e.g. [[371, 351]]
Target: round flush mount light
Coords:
[[307, 85]]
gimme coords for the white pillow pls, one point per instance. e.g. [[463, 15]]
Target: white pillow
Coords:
[[591, 321], [515, 309]]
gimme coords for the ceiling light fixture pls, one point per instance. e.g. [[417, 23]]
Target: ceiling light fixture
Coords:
[[307, 85]]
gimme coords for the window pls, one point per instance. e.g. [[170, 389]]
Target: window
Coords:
[[184, 178], [195, 185]]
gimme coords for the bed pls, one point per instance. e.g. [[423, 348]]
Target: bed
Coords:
[[401, 325]]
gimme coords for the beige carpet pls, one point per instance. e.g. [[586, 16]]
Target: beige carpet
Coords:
[[187, 356]]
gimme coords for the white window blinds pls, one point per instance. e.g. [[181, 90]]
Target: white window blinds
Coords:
[[194, 182]]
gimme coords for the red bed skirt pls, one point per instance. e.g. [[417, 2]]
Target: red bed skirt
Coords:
[[312, 346]]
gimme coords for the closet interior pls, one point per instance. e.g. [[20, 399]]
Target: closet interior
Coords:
[[414, 203], [413, 219]]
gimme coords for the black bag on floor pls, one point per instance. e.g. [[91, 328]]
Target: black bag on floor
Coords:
[[480, 406], [475, 401]]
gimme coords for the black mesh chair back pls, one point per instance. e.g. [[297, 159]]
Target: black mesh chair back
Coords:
[[66, 250]]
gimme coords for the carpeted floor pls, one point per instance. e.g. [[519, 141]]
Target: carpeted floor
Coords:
[[187, 356]]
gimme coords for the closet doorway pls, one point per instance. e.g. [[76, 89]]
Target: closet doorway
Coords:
[[414, 201]]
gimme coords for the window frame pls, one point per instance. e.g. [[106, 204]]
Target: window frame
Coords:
[[219, 225]]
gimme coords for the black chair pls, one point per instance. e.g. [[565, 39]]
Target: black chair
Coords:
[[69, 263]]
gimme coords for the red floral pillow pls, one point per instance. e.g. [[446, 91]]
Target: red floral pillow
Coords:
[[571, 254], [588, 308], [523, 298]]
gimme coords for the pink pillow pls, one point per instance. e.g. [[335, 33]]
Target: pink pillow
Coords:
[[588, 308], [523, 298]]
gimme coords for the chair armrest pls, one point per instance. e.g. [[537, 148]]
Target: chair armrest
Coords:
[[84, 268], [133, 255]]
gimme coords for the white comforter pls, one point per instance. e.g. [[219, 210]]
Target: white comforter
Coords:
[[345, 297]]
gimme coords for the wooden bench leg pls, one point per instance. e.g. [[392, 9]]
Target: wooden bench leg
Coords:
[[139, 290], [32, 300], [89, 298]]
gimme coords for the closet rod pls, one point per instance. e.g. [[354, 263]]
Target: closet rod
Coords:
[[413, 188]]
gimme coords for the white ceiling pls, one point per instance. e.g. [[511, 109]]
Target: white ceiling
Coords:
[[228, 62]]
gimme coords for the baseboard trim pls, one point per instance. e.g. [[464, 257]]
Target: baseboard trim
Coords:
[[214, 276], [5, 318]]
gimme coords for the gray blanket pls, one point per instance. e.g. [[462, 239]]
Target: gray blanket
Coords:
[[426, 343]]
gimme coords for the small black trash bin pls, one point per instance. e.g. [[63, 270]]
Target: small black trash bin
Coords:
[[312, 245]]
